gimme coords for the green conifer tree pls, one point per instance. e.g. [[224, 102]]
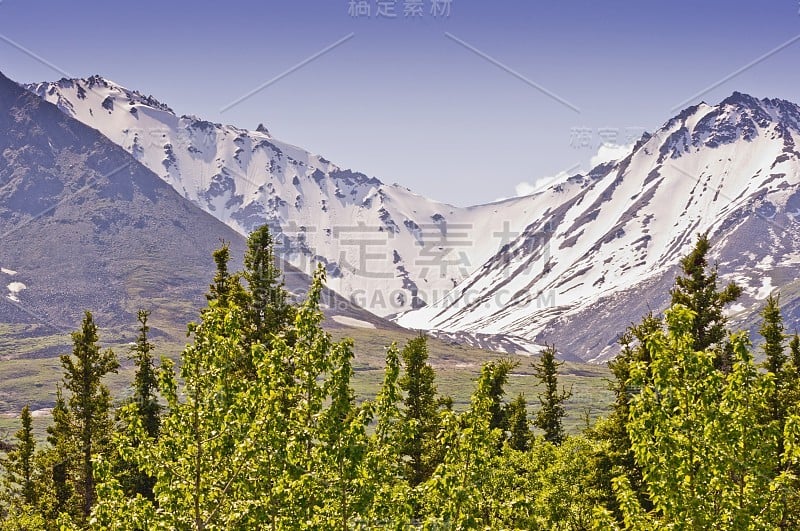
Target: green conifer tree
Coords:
[[19, 463], [552, 411], [697, 289], [89, 405], [772, 330], [268, 309], [794, 351], [61, 459], [420, 414], [225, 286], [519, 430], [498, 378], [147, 407]]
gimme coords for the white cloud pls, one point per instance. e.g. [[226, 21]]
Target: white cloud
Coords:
[[609, 152], [606, 153], [525, 188]]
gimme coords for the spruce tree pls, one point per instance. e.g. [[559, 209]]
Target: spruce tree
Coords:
[[90, 404], [145, 400], [696, 288], [519, 431], [385, 468], [268, 310], [709, 461], [794, 351], [225, 285], [790, 399], [420, 414], [62, 457], [145, 382], [497, 379], [552, 411], [790, 395], [19, 463], [772, 330], [619, 455]]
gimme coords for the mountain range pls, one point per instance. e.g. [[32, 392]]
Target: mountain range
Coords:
[[572, 264], [85, 226], [606, 251]]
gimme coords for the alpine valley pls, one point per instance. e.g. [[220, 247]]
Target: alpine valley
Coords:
[[601, 247]]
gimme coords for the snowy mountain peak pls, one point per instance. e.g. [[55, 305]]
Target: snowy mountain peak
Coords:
[[385, 247], [262, 129], [607, 251], [738, 117], [113, 93]]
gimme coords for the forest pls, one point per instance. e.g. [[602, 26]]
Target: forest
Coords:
[[257, 426]]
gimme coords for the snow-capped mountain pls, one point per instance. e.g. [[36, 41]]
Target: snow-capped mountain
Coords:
[[572, 264], [595, 262], [385, 248], [85, 226]]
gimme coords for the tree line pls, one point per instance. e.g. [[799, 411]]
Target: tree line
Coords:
[[259, 427]]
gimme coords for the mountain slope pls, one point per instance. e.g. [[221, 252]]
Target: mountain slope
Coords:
[[593, 264], [386, 248], [85, 226]]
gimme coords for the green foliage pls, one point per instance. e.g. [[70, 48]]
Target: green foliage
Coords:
[[59, 460], [145, 403], [519, 429], [23, 517], [261, 429], [145, 379], [267, 307], [455, 493], [19, 464], [391, 493], [772, 330], [697, 290], [618, 454], [497, 379], [561, 476], [707, 458], [790, 395], [225, 287], [87, 424], [231, 454], [549, 416], [421, 412]]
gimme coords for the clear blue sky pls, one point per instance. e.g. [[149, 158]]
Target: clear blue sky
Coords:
[[403, 102]]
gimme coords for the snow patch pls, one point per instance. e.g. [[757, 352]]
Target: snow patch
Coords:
[[734, 309], [766, 263], [350, 321], [14, 290], [765, 289]]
